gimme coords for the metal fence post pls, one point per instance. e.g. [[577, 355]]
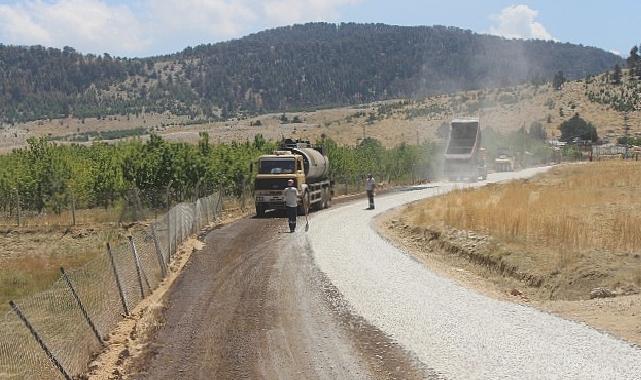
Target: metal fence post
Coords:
[[92, 326], [181, 223], [73, 209], [194, 218], [195, 222], [18, 207], [139, 271], [161, 261], [42, 344], [123, 300], [176, 228], [213, 202], [220, 207], [214, 207], [168, 235]]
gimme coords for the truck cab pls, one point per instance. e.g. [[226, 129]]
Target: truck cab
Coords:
[[273, 173], [504, 161]]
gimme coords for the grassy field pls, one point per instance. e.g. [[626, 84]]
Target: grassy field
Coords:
[[31, 257], [577, 227], [31, 254]]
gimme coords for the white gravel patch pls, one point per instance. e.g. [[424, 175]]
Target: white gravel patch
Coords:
[[456, 331]]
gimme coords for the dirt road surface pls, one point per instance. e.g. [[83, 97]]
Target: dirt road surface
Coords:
[[252, 304]]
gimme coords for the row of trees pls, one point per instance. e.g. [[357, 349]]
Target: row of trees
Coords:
[[370, 156], [47, 177]]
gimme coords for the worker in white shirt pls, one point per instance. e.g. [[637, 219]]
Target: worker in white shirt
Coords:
[[291, 203], [370, 186]]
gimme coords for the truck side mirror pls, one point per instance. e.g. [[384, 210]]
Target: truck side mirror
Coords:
[[251, 167]]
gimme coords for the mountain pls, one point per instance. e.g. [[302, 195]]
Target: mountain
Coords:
[[288, 68]]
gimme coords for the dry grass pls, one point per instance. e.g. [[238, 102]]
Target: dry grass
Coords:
[[576, 227], [30, 258], [577, 208], [84, 217]]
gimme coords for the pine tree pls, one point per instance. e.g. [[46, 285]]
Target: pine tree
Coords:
[[616, 77], [634, 62], [576, 127], [558, 81]]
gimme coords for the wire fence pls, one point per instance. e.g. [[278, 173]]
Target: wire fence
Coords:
[[131, 206], [55, 333]]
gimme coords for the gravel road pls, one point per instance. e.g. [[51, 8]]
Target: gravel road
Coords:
[[457, 332]]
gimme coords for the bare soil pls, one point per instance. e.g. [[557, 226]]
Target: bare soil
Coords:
[[128, 342]]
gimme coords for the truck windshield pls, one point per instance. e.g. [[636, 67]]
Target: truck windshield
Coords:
[[276, 166]]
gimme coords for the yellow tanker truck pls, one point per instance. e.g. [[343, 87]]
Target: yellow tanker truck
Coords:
[[307, 165]]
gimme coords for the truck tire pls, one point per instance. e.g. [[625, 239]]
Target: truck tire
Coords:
[[322, 203], [328, 200], [260, 210]]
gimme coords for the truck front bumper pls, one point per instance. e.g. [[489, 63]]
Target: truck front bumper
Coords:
[[271, 201]]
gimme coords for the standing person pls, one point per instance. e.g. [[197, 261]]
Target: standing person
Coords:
[[370, 186], [291, 203]]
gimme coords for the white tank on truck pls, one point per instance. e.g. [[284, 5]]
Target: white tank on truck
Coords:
[[307, 165], [315, 164]]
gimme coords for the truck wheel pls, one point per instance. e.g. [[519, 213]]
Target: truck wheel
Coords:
[[260, 210], [326, 196], [328, 200]]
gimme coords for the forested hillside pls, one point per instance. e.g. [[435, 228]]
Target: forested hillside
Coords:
[[288, 68], [38, 82]]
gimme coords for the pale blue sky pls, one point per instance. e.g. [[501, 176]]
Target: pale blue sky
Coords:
[[149, 27]]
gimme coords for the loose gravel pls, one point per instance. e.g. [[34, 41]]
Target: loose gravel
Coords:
[[459, 333]]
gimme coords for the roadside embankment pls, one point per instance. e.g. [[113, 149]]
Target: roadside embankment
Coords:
[[567, 241]]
